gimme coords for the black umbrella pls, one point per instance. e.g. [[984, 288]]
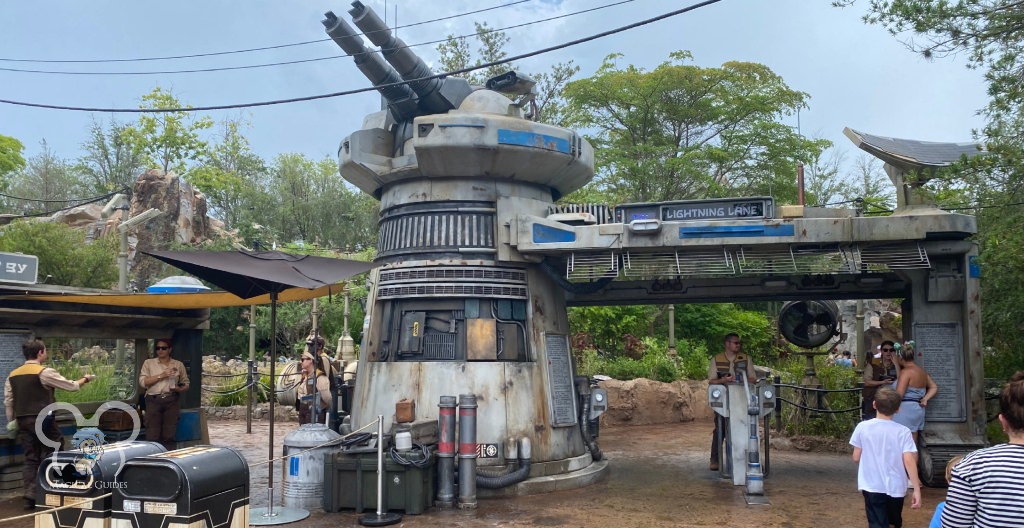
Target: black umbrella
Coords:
[[251, 274]]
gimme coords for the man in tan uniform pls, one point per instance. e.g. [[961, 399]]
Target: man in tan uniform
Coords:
[[722, 371], [27, 391], [164, 379]]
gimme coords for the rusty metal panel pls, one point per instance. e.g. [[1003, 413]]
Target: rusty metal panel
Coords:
[[481, 340], [529, 416]]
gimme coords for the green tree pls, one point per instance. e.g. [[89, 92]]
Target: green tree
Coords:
[[230, 173], [169, 140], [822, 183], [709, 323], [684, 131], [113, 158], [11, 158], [314, 205], [46, 177], [63, 253], [455, 54], [870, 185], [605, 326]]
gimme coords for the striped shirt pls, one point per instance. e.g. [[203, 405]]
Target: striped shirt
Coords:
[[987, 489]]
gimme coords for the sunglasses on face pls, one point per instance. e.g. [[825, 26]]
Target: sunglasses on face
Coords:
[[888, 350], [163, 348]]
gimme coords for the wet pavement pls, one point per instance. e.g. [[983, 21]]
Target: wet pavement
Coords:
[[658, 477]]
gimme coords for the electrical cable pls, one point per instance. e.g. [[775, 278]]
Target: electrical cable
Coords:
[[248, 50], [123, 189], [302, 61], [54, 211], [422, 462], [506, 60]]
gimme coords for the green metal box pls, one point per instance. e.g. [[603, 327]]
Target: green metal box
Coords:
[[350, 483]]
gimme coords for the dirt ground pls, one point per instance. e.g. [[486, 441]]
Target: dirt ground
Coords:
[[659, 477]]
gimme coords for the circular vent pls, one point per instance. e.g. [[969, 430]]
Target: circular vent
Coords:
[[809, 324]]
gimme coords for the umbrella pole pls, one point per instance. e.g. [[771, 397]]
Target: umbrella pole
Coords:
[[273, 364]]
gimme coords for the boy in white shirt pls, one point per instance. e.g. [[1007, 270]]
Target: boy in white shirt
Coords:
[[886, 453]]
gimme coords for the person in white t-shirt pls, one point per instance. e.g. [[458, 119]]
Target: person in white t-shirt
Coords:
[[886, 455]]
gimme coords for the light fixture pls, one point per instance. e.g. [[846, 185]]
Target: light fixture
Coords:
[[774, 284], [116, 202], [645, 227], [870, 281]]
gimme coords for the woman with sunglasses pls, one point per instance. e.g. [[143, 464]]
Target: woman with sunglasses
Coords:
[[915, 386], [313, 393], [164, 379], [879, 372]]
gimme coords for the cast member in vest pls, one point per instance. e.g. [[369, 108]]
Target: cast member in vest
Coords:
[[879, 372], [314, 389], [325, 365], [164, 379], [27, 391], [722, 371]]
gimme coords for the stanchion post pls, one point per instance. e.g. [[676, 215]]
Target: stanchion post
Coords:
[[381, 517]]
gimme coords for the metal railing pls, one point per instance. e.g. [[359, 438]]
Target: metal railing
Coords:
[[819, 397]]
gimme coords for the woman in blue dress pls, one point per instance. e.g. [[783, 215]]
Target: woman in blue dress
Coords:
[[915, 386]]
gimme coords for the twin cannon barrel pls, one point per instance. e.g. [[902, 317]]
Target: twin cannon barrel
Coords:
[[410, 87]]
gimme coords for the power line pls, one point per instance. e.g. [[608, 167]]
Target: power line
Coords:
[[248, 50], [372, 88], [981, 206], [85, 200], [301, 61], [54, 211]]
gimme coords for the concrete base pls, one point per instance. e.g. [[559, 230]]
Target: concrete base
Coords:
[[548, 483]]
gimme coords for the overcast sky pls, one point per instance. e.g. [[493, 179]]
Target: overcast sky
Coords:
[[857, 75]]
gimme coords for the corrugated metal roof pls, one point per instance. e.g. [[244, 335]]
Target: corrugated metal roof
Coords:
[[911, 153]]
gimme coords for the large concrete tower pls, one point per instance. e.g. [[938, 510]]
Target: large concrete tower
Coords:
[[454, 309]]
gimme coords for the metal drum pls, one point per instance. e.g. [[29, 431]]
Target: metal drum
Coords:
[[201, 486], [305, 452], [77, 477], [286, 384]]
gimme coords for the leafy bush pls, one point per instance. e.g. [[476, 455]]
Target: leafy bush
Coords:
[[63, 253], [101, 388], [654, 364], [694, 359], [232, 392], [804, 422]]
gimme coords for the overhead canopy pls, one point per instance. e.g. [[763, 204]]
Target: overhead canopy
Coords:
[[178, 301], [911, 154], [249, 274]]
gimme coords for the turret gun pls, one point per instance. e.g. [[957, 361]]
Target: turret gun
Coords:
[[401, 100], [436, 95]]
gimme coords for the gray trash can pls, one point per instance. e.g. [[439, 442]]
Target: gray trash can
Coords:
[[206, 485], [79, 476]]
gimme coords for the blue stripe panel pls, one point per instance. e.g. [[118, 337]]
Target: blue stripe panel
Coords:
[[533, 140], [9, 448], [736, 231], [543, 234]]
